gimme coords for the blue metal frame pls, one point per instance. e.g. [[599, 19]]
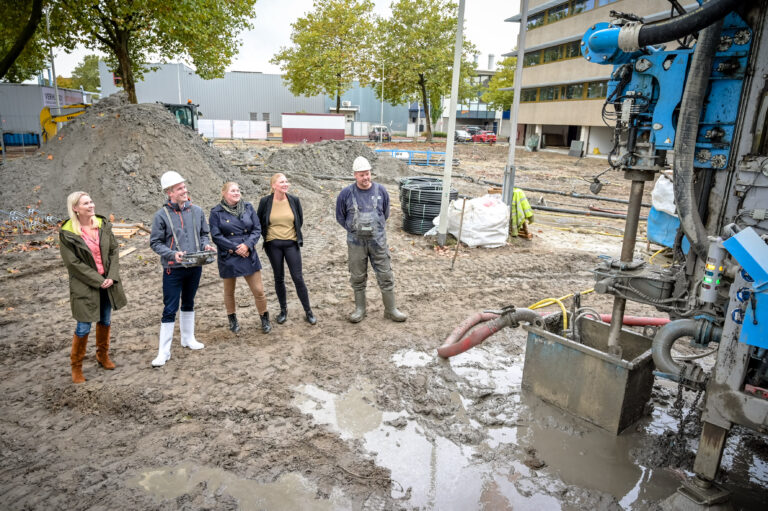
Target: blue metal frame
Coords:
[[429, 158]]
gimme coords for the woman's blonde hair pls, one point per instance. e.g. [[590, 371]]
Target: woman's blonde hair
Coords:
[[274, 179], [72, 201], [227, 186]]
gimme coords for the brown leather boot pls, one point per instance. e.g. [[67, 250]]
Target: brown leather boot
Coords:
[[102, 346], [77, 356]]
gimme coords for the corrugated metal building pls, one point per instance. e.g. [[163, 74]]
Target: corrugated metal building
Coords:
[[362, 105], [246, 96], [238, 96]]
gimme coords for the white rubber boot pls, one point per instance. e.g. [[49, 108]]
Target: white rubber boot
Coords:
[[187, 327], [164, 346]]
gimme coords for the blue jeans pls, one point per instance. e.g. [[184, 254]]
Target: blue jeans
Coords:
[[105, 315], [179, 284]]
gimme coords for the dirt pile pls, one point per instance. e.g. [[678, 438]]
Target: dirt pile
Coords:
[[333, 158], [117, 152]]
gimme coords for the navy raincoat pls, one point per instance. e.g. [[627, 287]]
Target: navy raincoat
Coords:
[[228, 231]]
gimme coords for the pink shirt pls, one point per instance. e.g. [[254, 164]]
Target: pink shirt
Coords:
[[93, 246]]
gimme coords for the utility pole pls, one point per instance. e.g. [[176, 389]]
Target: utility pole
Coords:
[[53, 66], [442, 229], [509, 171], [381, 118]]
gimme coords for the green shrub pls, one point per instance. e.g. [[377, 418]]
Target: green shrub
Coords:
[[440, 134]]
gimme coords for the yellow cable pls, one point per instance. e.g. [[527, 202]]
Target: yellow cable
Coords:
[[650, 260], [559, 301]]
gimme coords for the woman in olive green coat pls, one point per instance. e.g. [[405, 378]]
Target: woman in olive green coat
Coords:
[[89, 251]]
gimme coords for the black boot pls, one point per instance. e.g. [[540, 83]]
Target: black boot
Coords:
[[311, 319], [282, 317], [266, 327], [234, 326]]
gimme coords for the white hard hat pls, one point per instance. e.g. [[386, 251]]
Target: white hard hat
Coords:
[[361, 164], [170, 179]]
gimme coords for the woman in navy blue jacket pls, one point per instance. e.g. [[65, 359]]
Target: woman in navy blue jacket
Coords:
[[235, 230], [281, 218]]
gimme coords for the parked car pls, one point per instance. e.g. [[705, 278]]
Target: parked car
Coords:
[[380, 133], [472, 130], [484, 136], [462, 136]]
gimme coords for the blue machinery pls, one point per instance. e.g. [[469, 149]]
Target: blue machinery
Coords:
[[695, 85], [705, 97]]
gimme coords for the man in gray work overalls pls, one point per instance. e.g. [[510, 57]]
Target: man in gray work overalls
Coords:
[[362, 208]]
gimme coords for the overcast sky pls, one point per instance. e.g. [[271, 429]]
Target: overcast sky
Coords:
[[484, 22]]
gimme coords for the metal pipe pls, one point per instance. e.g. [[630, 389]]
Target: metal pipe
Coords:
[[581, 212], [442, 229], [661, 349], [627, 254], [508, 187]]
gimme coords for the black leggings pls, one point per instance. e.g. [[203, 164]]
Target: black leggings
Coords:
[[288, 251]]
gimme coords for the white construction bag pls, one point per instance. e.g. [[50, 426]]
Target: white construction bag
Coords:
[[486, 221]]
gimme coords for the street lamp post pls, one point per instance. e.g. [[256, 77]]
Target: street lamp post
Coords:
[[381, 118]]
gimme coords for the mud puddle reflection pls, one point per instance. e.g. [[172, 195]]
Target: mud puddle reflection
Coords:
[[290, 492], [532, 456]]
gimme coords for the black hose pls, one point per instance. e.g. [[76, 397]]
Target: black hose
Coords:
[[681, 26], [685, 141], [416, 225], [418, 179], [420, 199]]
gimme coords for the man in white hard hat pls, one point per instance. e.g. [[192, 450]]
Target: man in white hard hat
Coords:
[[178, 227], [362, 208]]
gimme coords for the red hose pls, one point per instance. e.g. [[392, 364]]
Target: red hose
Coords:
[[478, 335], [468, 323], [637, 321]]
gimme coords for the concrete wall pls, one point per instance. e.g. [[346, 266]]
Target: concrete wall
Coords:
[[565, 71], [573, 112]]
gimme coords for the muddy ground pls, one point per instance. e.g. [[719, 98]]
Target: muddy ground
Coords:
[[333, 416]]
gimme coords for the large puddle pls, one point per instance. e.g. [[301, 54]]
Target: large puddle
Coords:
[[289, 493], [431, 471], [532, 457]]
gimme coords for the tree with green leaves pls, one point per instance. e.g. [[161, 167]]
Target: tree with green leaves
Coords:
[[417, 54], [332, 47], [504, 78], [130, 33], [24, 41], [86, 74]]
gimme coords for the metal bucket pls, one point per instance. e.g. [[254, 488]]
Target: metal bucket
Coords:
[[584, 380]]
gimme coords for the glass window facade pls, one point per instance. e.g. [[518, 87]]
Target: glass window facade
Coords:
[[573, 91], [528, 95], [596, 89], [564, 10], [565, 51]]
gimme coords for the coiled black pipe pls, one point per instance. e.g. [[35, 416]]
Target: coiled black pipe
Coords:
[[681, 26], [420, 201], [687, 131], [415, 225]]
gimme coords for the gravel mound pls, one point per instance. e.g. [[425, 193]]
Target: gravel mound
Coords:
[[117, 152], [333, 158]]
